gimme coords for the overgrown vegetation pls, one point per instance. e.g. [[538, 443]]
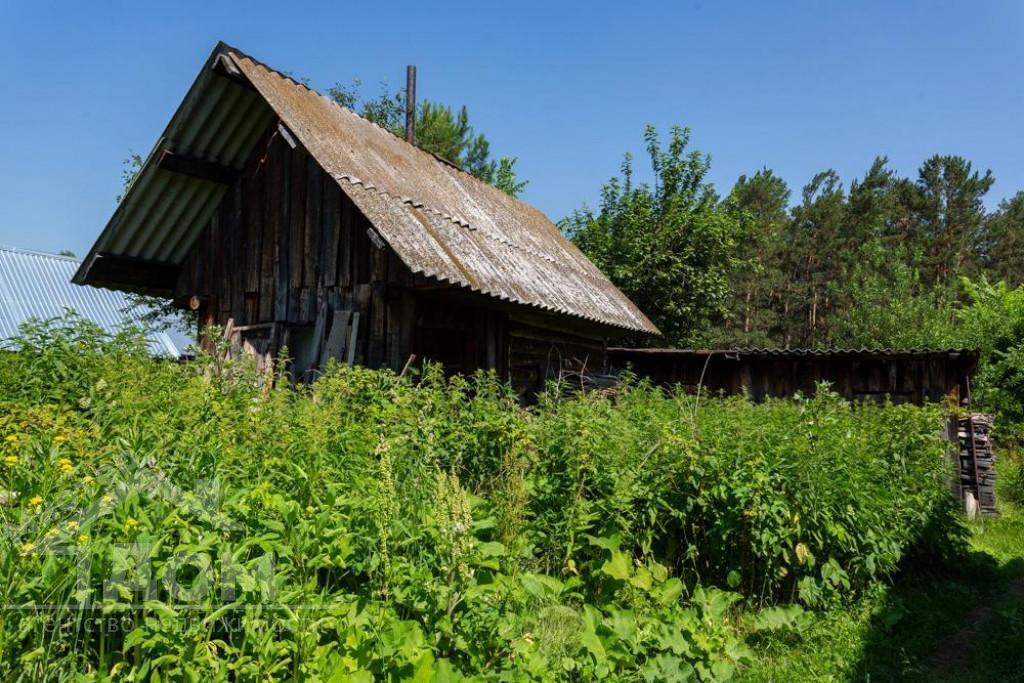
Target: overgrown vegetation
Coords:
[[959, 622], [192, 522]]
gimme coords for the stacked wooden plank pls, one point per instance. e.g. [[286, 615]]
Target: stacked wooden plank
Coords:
[[976, 461]]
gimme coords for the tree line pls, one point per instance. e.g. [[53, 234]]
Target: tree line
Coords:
[[878, 262]]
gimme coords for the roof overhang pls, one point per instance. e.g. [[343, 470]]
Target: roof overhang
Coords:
[[970, 355], [181, 183]]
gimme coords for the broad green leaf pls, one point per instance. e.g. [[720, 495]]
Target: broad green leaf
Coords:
[[618, 566]]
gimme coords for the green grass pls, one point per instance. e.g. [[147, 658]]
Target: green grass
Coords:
[[958, 623]]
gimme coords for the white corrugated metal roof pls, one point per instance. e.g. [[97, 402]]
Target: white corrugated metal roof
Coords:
[[36, 285]]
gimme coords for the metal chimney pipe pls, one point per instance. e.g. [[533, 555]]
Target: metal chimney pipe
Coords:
[[410, 104]]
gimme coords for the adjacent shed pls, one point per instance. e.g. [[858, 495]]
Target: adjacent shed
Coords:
[[293, 222], [35, 285], [904, 376]]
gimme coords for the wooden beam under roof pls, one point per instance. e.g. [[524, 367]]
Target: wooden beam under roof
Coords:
[[223, 66], [196, 168], [126, 272]]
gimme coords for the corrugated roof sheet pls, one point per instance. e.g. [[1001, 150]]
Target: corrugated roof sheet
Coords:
[[441, 221], [38, 285], [768, 351]]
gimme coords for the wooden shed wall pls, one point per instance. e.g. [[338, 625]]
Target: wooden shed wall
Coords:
[[909, 378], [287, 249]]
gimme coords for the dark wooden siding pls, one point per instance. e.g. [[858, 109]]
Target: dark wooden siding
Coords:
[[287, 250], [285, 246], [913, 377]]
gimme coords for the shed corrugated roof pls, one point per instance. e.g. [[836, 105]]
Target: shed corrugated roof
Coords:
[[756, 351], [38, 285], [441, 221]]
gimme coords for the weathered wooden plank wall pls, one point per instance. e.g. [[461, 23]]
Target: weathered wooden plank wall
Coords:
[[288, 248], [904, 378], [285, 245]]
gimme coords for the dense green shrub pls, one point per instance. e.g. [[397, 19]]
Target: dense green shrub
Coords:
[[191, 522], [993, 322]]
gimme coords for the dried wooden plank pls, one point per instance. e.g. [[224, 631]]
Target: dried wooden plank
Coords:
[[210, 256], [349, 216], [319, 332], [311, 243], [226, 264], [353, 339], [236, 262], [331, 232], [976, 461], [361, 264], [297, 216], [307, 305], [268, 244], [338, 337], [393, 333], [282, 165], [407, 326]]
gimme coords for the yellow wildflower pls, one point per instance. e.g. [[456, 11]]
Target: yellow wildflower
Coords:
[[88, 479], [53, 533], [82, 538], [11, 438], [27, 548], [802, 552], [11, 460], [72, 526], [107, 500], [65, 465], [130, 523], [35, 501], [60, 438]]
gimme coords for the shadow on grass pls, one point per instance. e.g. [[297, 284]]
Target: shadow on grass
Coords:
[[962, 621]]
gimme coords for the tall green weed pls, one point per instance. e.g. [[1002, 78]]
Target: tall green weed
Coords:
[[169, 521]]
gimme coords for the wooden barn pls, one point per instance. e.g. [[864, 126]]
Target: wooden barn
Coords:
[[903, 376], [291, 221]]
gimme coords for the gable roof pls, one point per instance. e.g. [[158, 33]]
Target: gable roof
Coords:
[[440, 221], [34, 285]]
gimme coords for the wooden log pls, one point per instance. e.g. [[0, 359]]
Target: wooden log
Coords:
[[194, 167]]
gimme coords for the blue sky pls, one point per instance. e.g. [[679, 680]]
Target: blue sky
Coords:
[[567, 87]]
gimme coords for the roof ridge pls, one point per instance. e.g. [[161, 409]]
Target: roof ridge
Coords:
[[435, 157], [35, 252], [308, 88]]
